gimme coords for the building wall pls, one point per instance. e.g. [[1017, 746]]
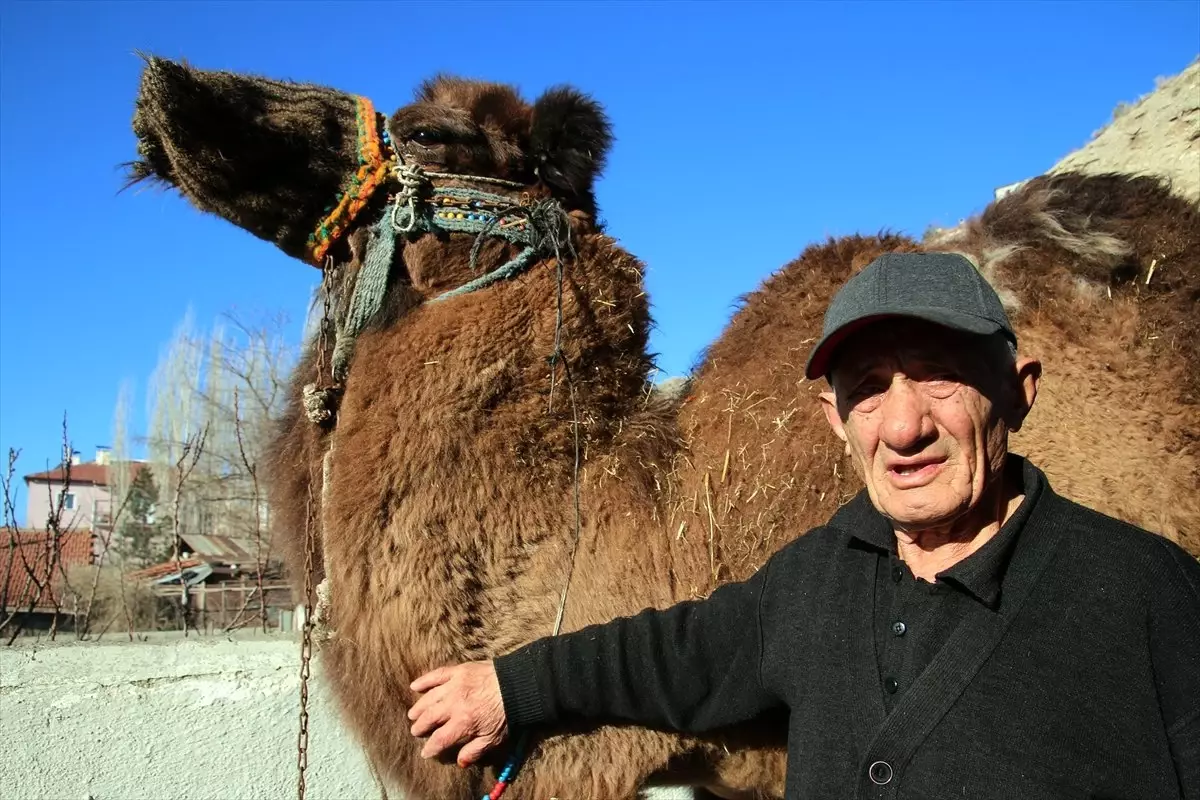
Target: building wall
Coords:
[[206, 718], [89, 499]]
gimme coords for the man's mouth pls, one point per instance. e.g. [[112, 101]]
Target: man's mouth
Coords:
[[915, 472]]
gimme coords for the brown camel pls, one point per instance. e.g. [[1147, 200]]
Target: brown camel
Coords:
[[473, 436]]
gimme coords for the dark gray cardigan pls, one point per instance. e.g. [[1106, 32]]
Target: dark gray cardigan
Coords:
[[1082, 682]]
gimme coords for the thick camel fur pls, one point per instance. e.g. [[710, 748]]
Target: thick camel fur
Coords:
[[447, 530]]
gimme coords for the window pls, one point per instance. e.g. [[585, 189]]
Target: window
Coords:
[[68, 500]]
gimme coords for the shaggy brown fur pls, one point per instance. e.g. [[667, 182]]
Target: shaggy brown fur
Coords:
[[761, 464], [449, 516], [1104, 275]]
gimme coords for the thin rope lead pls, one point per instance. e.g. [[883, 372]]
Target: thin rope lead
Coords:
[[557, 243], [562, 603], [516, 760]]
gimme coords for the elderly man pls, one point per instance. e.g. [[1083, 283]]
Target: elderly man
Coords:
[[956, 630]]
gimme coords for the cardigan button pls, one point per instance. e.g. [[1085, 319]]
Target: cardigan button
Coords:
[[880, 773]]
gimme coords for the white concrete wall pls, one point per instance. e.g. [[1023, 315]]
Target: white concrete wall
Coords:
[[197, 718]]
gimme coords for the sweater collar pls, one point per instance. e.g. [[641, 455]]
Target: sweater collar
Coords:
[[980, 574]]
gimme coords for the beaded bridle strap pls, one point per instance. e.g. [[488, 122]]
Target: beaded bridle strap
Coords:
[[419, 207], [373, 166]]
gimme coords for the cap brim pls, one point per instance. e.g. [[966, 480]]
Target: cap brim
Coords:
[[818, 360]]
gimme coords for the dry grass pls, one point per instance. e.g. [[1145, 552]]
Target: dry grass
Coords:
[[119, 605]]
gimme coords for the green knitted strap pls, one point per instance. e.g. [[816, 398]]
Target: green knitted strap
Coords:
[[369, 289], [513, 267]]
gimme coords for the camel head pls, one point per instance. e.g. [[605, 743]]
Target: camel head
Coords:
[[304, 166]]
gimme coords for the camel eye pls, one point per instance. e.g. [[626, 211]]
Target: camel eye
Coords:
[[428, 137]]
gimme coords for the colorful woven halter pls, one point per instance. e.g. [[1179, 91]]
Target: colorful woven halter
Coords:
[[418, 207], [421, 207]]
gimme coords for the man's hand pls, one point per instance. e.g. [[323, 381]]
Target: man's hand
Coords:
[[460, 704]]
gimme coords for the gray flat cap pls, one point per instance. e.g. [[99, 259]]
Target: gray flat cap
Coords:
[[943, 288]]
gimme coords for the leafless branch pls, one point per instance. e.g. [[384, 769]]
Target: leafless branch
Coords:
[[12, 532], [42, 585], [189, 457], [84, 629], [252, 470]]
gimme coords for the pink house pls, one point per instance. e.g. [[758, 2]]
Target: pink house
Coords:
[[86, 502]]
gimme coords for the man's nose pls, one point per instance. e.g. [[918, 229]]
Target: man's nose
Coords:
[[905, 416]]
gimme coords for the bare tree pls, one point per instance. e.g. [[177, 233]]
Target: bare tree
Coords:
[[228, 382], [211, 400], [120, 475], [191, 453], [260, 554]]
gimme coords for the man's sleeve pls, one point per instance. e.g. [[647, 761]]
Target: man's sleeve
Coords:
[[691, 667], [1175, 648]]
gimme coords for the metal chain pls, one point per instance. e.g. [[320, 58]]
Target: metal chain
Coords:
[[309, 552], [305, 651]]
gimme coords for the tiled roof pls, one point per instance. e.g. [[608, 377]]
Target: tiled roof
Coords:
[[85, 473], [165, 568], [30, 558], [219, 552], [225, 549]]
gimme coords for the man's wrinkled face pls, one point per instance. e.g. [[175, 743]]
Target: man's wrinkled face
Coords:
[[925, 413]]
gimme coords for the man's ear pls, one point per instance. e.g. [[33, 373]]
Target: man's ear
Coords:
[[829, 406], [1029, 375], [569, 140]]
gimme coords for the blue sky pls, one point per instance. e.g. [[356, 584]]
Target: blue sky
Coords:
[[854, 116]]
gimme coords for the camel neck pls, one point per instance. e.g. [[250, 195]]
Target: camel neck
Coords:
[[479, 368]]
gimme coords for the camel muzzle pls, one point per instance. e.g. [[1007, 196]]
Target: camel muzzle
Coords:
[[266, 155]]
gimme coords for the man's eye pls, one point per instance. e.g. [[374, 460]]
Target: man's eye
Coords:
[[866, 392], [866, 402], [941, 386]]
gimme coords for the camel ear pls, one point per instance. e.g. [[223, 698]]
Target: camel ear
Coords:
[[569, 140]]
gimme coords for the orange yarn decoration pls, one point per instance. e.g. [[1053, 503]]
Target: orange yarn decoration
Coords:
[[372, 170]]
